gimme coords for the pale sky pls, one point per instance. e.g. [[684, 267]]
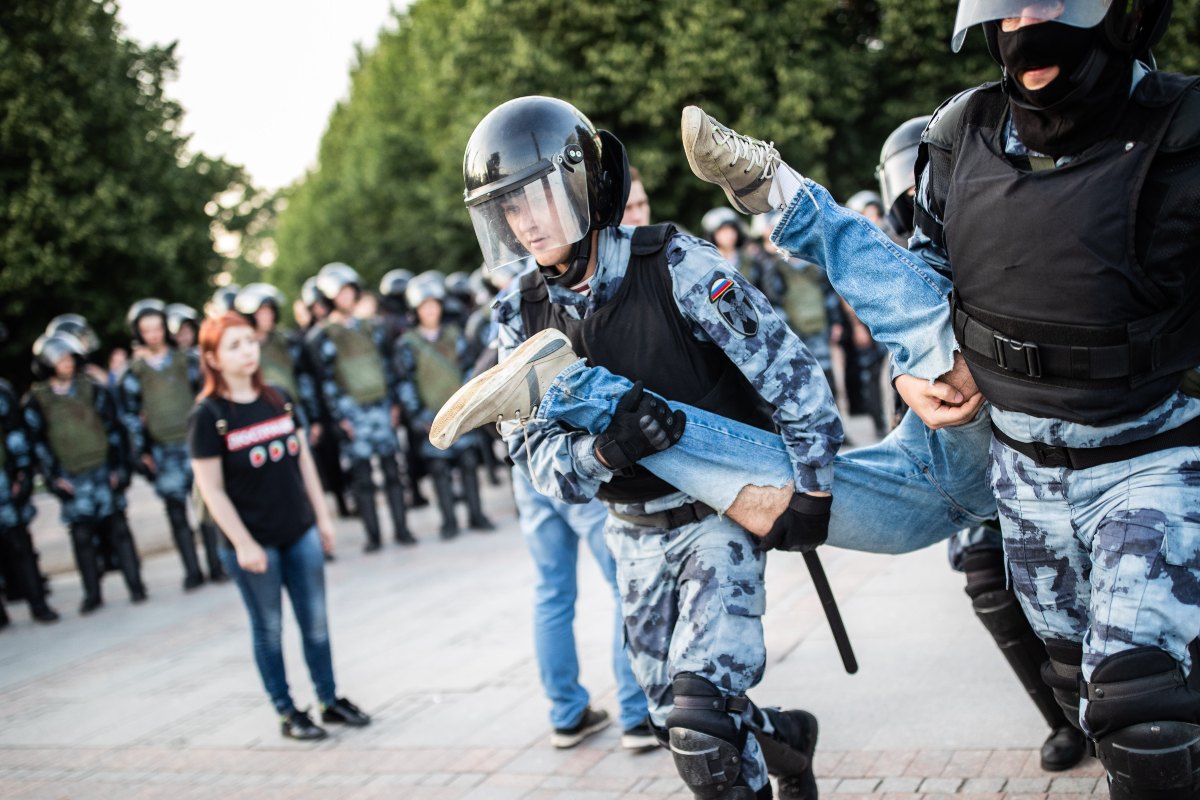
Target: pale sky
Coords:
[[258, 78]]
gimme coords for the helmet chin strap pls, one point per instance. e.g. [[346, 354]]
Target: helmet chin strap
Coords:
[[577, 264]]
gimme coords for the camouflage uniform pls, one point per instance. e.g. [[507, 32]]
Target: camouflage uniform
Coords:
[[21, 575], [369, 414], [693, 595]]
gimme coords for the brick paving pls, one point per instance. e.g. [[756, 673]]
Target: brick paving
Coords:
[[162, 700]]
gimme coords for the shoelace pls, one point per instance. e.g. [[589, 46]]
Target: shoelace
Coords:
[[755, 151]]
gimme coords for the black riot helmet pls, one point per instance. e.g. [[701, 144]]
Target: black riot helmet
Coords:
[[538, 163], [49, 349], [896, 171], [394, 282], [1127, 26], [77, 326], [180, 314], [145, 308]]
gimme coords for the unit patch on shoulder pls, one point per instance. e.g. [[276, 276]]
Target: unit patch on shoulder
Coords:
[[733, 306]]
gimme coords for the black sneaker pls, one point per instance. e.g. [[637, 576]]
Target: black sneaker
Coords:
[[343, 712], [639, 738], [298, 725], [591, 721]]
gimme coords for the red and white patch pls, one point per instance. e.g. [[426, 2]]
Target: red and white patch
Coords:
[[276, 449], [260, 433], [258, 457], [293, 445]]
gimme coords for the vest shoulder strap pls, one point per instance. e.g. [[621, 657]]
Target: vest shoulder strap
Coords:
[[1184, 130], [947, 122], [650, 239]]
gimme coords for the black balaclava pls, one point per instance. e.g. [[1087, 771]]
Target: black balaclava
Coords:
[[902, 215], [1079, 107]]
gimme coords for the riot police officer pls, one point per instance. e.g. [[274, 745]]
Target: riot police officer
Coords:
[[80, 453], [183, 324], [542, 181], [357, 381], [156, 394], [432, 359]]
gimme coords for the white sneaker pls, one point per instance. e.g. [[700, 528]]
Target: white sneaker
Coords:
[[508, 391], [744, 167]]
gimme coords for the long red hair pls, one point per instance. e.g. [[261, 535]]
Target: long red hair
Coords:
[[209, 339]]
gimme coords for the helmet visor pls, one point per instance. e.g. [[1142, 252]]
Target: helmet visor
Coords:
[[1077, 13], [896, 175], [547, 210]]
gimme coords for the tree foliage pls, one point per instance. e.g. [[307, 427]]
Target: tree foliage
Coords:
[[826, 79], [100, 204]]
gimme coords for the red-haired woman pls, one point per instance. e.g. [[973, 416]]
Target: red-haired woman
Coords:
[[260, 484]]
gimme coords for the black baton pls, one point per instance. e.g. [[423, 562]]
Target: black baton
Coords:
[[825, 592]]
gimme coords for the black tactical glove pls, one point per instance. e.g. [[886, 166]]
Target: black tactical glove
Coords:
[[803, 526], [641, 425]]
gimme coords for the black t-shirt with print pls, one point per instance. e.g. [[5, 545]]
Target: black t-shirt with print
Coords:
[[260, 459]]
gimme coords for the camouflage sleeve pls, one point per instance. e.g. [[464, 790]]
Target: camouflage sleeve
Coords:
[[324, 355], [35, 423], [194, 370], [391, 378], [724, 308], [112, 427], [306, 385], [129, 403], [559, 463], [12, 427]]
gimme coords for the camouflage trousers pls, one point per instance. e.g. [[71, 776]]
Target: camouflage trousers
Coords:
[[173, 471], [93, 500], [1107, 556], [373, 431], [693, 599], [13, 515]]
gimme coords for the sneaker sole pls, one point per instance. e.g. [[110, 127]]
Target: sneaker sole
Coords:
[[637, 744], [689, 128], [444, 432], [564, 741]]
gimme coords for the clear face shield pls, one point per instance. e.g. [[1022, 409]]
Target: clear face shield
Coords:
[[541, 208], [1076, 13]]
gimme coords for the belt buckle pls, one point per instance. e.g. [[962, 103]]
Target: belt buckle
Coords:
[[1051, 456], [1029, 351]]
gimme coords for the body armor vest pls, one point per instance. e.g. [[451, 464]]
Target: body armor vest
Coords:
[[438, 375], [1054, 314], [277, 366], [167, 398], [804, 302], [640, 334], [358, 369], [74, 429]]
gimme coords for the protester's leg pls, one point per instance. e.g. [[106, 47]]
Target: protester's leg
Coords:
[[261, 594], [589, 521], [693, 604], [554, 547], [303, 570]]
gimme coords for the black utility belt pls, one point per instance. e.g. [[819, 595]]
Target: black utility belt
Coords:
[[1045, 455], [670, 519]]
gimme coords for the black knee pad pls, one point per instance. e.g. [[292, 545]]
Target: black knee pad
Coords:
[[984, 570], [1146, 723], [1063, 673], [706, 743]]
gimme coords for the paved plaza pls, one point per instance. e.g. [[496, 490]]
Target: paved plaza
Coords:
[[162, 700]]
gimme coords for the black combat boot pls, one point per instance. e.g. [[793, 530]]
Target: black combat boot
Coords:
[[443, 487], [394, 490], [788, 750], [185, 543], [362, 485], [83, 536], [17, 549], [476, 520], [127, 558]]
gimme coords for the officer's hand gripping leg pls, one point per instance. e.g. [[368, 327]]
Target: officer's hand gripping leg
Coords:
[[706, 742], [641, 425]]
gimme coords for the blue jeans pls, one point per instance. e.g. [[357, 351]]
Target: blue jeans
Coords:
[[553, 530], [300, 569], [914, 488]]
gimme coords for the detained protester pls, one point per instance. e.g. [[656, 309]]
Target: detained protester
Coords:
[[541, 181], [258, 479]]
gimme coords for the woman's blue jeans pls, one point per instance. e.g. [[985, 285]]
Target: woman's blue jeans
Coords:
[[910, 490], [300, 569]]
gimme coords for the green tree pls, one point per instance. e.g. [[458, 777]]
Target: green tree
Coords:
[[100, 203], [826, 79]]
